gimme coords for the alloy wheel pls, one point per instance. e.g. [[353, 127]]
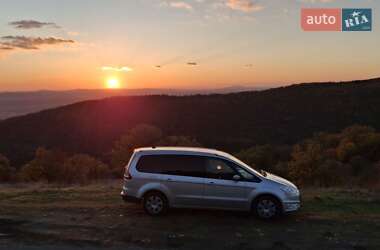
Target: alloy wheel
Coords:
[[266, 208], [154, 204]]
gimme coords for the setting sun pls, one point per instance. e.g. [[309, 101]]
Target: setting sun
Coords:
[[113, 83]]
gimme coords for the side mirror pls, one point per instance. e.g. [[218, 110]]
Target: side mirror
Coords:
[[236, 177]]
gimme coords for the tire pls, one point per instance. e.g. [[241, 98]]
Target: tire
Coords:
[[267, 207], [155, 203]]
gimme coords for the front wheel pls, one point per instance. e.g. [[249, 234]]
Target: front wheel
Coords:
[[155, 203], [267, 207]]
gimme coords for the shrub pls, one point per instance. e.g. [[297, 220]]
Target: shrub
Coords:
[[304, 164], [6, 170], [356, 132], [345, 158], [346, 150], [259, 156], [31, 172], [330, 173], [359, 165], [282, 169], [46, 166], [82, 169], [369, 147], [351, 157], [265, 156], [374, 178]]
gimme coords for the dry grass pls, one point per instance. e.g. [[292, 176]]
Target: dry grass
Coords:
[[95, 215]]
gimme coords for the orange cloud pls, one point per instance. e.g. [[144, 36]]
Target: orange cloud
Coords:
[[117, 69]]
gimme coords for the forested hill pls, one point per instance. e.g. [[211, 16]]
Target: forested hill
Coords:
[[14, 104], [225, 121]]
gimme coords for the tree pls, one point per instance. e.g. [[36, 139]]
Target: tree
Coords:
[[281, 169], [144, 136], [346, 150], [368, 146], [82, 169], [46, 166], [361, 168], [180, 141], [259, 157], [359, 141], [355, 132], [330, 173], [5, 169], [374, 179], [306, 158], [141, 136], [265, 156]]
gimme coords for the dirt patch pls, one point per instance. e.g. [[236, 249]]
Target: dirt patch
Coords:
[[9, 228], [95, 217]]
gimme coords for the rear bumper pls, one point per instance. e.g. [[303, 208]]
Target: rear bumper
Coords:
[[128, 198]]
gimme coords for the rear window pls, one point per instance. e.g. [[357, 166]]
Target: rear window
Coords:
[[184, 165]]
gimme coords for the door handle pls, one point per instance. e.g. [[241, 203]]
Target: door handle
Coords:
[[210, 182], [169, 179]]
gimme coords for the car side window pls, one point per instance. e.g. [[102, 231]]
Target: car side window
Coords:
[[149, 164], [246, 175], [182, 165], [219, 169]]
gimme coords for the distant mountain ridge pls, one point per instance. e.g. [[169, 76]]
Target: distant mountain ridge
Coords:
[[21, 103], [231, 122]]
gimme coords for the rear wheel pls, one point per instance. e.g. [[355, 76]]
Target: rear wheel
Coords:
[[155, 203], [267, 207]]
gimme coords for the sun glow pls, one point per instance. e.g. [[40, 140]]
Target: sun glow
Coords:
[[113, 83]]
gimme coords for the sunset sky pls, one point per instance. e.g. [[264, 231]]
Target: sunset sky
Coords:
[[72, 44]]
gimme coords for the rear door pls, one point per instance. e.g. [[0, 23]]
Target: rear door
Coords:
[[183, 177], [221, 191]]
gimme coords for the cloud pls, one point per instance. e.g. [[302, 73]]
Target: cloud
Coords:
[[73, 33], [29, 43], [118, 69], [5, 47], [317, 1], [244, 5], [181, 5], [177, 5], [32, 24]]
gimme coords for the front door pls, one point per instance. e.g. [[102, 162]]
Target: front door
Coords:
[[221, 190]]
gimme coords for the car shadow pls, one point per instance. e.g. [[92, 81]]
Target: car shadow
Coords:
[[228, 214]]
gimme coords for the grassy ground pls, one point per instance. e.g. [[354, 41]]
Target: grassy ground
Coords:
[[38, 216]]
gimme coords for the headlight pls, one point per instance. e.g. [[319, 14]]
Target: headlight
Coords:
[[290, 190]]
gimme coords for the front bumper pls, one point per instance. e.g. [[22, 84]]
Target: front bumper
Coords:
[[291, 206]]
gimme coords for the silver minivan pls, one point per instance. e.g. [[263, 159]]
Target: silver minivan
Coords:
[[163, 177]]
